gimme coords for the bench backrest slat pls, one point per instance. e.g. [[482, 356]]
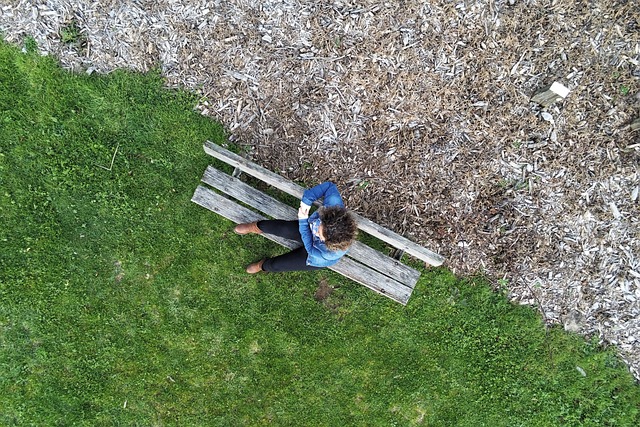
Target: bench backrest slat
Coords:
[[295, 190]]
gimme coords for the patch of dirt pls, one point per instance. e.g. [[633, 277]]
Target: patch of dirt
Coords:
[[324, 291]]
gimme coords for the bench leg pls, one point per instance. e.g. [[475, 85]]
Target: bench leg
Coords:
[[397, 254]]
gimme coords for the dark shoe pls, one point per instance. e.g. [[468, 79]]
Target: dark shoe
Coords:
[[256, 267], [248, 228]]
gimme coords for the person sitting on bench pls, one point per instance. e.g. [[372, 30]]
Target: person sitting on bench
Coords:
[[326, 235]]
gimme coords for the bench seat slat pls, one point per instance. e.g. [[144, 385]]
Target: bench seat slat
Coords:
[[289, 187], [247, 194], [276, 209], [357, 272]]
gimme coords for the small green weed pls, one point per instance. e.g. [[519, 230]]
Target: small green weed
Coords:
[[30, 44], [71, 34], [512, 184]]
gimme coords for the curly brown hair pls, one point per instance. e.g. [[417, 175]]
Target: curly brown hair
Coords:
[[340, 227]]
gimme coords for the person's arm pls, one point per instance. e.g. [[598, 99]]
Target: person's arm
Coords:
[[307, 240], [305, 233], [326, 190], [305, 230]]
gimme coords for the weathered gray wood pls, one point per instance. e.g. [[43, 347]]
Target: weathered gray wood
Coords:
[[247, 194], [399, 242], [229, 209], [551, 94], [252, 169], [373, 280], [355, 271], [289, 187], [384, 264], [276, 209]]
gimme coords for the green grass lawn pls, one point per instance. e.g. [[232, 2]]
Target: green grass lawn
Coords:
[[123, 303]]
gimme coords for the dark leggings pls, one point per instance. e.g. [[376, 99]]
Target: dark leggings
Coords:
[[296, 260]]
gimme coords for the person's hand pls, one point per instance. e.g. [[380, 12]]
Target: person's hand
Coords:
[[303, 212]]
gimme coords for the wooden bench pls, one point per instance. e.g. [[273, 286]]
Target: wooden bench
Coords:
[[371, 268]]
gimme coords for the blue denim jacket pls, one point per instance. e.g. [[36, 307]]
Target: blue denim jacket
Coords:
[[319, 254]]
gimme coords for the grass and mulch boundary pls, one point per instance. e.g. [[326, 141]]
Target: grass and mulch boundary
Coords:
[[123, 303]]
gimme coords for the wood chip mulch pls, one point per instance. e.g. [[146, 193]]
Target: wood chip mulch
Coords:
[[422, 113]]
